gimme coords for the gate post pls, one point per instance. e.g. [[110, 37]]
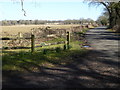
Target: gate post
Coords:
[[32, 43], [68, 39]]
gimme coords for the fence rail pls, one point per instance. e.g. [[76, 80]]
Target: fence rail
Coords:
[[39, 37]]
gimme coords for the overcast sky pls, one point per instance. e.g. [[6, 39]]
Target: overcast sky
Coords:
[[48, 10]]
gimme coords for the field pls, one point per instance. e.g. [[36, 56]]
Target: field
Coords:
[[44, 34], [27, 28], [23, 59]]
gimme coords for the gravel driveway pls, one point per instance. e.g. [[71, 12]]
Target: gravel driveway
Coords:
[[98, 69]]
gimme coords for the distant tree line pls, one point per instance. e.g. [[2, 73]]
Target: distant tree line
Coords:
[[37, 22]]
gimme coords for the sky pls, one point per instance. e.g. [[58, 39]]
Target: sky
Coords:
[[48, 10]]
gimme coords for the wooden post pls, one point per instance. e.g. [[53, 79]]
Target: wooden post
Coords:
[[19, 37], [68, 39], [65, 45], [32, 43]]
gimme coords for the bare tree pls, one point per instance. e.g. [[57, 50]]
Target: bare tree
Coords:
[[23, 8], [113, 9]]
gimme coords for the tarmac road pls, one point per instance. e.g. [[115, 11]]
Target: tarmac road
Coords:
[[104, 41]]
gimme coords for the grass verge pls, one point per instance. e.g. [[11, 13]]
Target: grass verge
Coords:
[[26, 61]]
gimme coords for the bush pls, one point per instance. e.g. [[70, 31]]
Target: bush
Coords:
[[42, 44], [5, 47], [45, 51], [69, 46], [58, 49]]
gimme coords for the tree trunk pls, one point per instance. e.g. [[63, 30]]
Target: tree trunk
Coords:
[[111, 20]]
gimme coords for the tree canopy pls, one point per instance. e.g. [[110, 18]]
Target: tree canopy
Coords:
[[112, 9]]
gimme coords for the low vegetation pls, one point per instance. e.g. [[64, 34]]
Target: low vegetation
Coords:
[[24, 61], [51, 55], [48, 55]]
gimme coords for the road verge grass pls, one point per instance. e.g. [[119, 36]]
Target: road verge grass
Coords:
[[27, 61]]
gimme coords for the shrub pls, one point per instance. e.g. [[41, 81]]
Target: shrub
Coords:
[[45, 51], [42, 44], [5, 47], [69, 46], [58, 49]]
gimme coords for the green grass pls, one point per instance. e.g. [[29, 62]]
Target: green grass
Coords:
[[26, 61], [23, 60]]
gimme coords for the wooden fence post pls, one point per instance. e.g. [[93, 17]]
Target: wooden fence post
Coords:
[[20, 34], [68, 39], [19, 37], [32, 43]]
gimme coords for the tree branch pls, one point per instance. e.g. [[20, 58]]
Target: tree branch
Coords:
[[23, 8], [106, 7]]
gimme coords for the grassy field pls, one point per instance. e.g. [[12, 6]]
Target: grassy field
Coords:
[[23, 60], [27, 28]]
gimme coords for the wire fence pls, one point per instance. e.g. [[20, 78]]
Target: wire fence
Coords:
[[39, 37]]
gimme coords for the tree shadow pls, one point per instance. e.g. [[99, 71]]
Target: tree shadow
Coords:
[[88, 70], [101, 28], [109, 38], [105, 35]]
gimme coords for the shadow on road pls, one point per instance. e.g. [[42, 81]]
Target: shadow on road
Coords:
[[94, 70]]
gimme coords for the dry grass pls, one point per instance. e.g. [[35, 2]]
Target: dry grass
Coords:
[[27, 28]]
